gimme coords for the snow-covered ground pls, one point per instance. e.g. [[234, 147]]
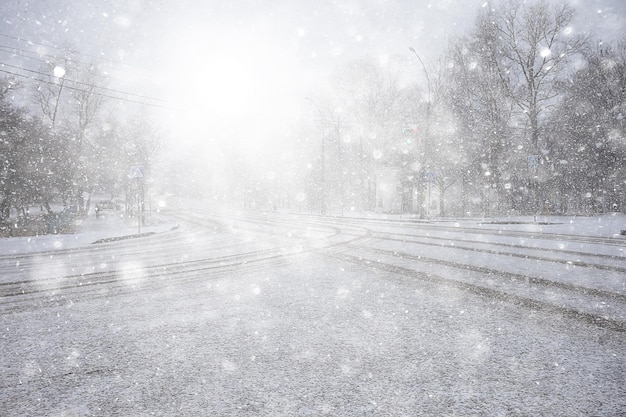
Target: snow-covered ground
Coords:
[[174, 334], [89, 230], [605, 225]]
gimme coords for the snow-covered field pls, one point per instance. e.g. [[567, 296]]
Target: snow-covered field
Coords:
[[92, 229], [605, 225], [300, 334], [89, 231]]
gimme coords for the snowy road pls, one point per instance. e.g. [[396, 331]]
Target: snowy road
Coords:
[[271, 314]]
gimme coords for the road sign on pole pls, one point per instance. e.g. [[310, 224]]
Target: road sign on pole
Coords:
[[136, 172], [430, 177], [533, 161]]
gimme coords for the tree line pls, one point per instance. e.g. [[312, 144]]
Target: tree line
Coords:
[[63, 145], [520, 115]]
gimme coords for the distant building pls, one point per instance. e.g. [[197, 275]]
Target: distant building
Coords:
[[397, 194], [388, 191]]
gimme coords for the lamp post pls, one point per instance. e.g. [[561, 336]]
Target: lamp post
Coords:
[[322, 162], [425, 72], [59, 73], [427, 175]]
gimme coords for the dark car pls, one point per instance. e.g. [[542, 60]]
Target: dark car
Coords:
[[106, 207]]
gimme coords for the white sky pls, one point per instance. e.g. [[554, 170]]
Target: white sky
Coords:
[[245, 66]]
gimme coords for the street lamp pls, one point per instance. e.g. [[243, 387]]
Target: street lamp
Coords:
[[59, 73], [428, 176], [322, 162], [425, 72]]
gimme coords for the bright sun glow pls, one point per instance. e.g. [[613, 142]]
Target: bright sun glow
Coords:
[[229, 84], [216, 82]]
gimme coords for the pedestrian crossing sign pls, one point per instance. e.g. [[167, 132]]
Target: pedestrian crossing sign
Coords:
[[136, 173]]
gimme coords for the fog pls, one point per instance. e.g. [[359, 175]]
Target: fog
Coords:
[[245, 85], [338, 207], [241, 67]]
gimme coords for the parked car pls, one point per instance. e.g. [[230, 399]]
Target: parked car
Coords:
[[106, 207]]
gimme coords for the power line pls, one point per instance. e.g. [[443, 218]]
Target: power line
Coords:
[[22, 52], [64, 50], [93, 92], [26, 53], [42, 58], [75, 55], [83, 83]]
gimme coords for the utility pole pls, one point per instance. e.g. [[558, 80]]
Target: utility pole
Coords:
[[136, 176], [322, 161], [427, 173]]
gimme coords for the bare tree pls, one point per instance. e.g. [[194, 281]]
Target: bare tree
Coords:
[[11, 143], [87, 98], [532, 48], [377, 104], [589, 167], [141, 143], [29, 155], [69, 91], [85, 105], [531, 45], [48, 90], [480, 103]]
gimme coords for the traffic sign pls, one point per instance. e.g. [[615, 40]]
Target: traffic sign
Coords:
[[136, 172]]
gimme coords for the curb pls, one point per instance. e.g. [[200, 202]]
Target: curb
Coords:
[[115, 239]]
